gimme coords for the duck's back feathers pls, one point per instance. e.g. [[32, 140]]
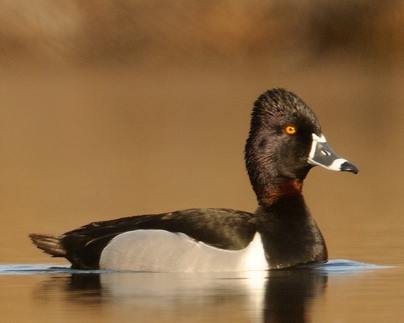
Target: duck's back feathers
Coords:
[[220, 228]]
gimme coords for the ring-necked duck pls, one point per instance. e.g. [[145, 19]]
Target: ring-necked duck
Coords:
[[284, 143]]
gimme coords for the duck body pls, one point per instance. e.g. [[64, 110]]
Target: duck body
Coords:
[[284, 143], [222, 229]]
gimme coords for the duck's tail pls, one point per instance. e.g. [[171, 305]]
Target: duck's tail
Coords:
[[49, 244]]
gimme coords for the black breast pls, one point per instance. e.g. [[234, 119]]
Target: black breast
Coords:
[[289, 233]]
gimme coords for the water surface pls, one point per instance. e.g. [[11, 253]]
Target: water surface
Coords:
[[333, 292]]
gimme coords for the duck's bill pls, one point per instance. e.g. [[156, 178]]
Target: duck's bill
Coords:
[[321, 154]]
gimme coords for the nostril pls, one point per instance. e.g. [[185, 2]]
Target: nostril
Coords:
[[325, 153]]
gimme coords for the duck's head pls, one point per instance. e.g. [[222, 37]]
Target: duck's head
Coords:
[[284, 143]]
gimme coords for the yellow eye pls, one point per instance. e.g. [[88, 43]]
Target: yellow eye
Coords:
[[290, 130]]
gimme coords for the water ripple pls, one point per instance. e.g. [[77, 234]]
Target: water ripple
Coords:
[[335, 266]]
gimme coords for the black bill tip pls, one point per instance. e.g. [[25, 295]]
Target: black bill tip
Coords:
[[348, 167]]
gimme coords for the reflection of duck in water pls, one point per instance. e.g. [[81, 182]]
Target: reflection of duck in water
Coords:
[[284, 296], [284, 143], [289, 294]]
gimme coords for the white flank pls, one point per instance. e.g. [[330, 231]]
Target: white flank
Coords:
[[163, 251]]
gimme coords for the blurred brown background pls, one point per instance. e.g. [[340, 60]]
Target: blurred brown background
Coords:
[[115, 108]]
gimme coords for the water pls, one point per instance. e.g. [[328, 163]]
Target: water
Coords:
[[101, 154], [332, 292], [99, 121], [96, 158]]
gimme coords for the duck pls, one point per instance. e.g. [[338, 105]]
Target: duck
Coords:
[[284, 143]]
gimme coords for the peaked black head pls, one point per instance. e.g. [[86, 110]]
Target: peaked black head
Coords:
[[284, 138]]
